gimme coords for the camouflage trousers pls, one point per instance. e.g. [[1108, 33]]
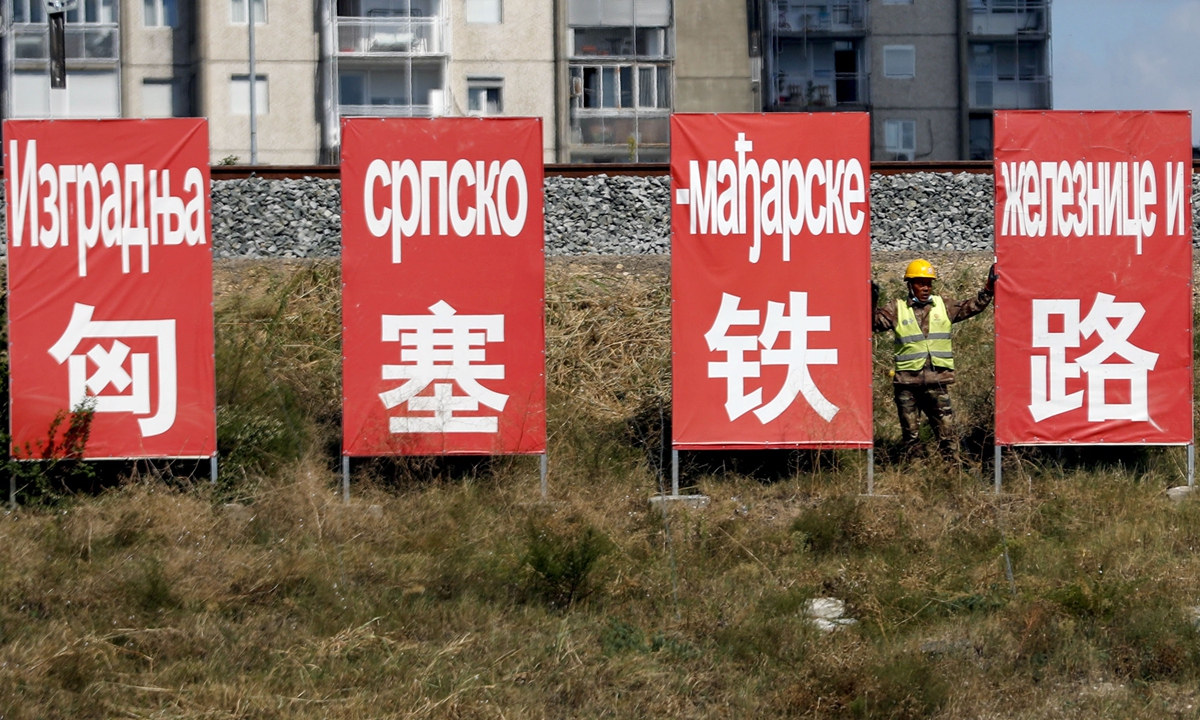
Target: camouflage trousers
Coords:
[[934, 402]]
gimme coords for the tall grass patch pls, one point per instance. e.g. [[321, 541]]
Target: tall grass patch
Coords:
[[450, 589]]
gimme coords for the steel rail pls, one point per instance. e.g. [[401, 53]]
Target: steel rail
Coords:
[[333, 172]]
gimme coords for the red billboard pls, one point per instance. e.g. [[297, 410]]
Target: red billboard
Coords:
[[110, 284], [443, 274], [770, 268], [1094, 249]]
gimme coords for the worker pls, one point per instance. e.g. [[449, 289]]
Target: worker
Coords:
[[924, 357]]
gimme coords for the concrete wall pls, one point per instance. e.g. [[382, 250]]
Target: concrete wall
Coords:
[[712, 61], [158, 53], [932, 97], [519, 49], [287, 53]]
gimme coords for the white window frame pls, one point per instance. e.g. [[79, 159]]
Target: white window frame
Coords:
[[238, 11], [893, 138], [24, 11], [636, 92], [894, 73], [485, 83], [483, 6], [159, 8], [262, 104]]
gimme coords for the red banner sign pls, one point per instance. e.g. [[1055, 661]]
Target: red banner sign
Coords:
[[110, 284], [770, 266], [444, 273], [1093, 306]]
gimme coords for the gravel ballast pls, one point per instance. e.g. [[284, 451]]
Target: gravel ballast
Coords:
[[602, 215]]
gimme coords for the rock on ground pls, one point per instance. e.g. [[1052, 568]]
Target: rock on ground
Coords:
[[602, 215]]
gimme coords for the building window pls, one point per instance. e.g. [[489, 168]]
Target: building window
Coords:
[[622, 86], [900, 139], [899, 61], [619, 28], [88, 11], [239, 95], [89, 94], [160, 13], [484, 11], [1008, 75], [237, 11], [980, 141], [485, 96], [391, 92], [160, 99]]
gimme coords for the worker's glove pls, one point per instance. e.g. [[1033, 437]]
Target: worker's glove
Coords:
[[874, 294], [993, 276]]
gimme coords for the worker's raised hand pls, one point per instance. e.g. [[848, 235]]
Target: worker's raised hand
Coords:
[[993, 276]]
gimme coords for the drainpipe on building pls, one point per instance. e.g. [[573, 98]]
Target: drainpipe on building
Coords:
[[250, 18], [329, 118], [964, 124], [556, 74]]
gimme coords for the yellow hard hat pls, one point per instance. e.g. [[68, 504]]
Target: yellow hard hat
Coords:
[[919, 269]]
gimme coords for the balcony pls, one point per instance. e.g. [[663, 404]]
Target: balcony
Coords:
[[822, 90], [621, 128], [90, 43], [996, 94], [391, 37], [1008, 17], [388, 111], [802, 17]]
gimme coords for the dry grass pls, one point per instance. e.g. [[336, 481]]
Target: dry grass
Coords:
[[426, 597]]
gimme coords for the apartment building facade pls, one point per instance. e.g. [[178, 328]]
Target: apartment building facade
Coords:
[[931, 72], [605, 75], [315, 63]]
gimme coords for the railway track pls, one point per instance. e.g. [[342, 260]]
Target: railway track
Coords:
[[332, 172]]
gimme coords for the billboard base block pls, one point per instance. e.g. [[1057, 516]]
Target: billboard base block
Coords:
[[693, 502], [1180, 493]]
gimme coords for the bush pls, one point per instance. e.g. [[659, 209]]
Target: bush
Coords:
[[830, 527], [563, 564]]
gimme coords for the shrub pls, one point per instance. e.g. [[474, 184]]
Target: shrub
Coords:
[[832, 526], [563, 564]]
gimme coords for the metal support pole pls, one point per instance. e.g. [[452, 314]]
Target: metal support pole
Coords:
[[674, 472], [545, 469], [213, 469], [871, 470], [250, 18], [1191, 465], [346, 479], [999, 470]]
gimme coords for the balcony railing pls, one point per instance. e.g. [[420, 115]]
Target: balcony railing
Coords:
[[993, 94], [618, 127], [822, 90], [31, 41], [385, 110], [1008, 17], [391, 36], [801, 16]]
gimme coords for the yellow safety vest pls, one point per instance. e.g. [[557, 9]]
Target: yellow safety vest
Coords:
[[912, 347]]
